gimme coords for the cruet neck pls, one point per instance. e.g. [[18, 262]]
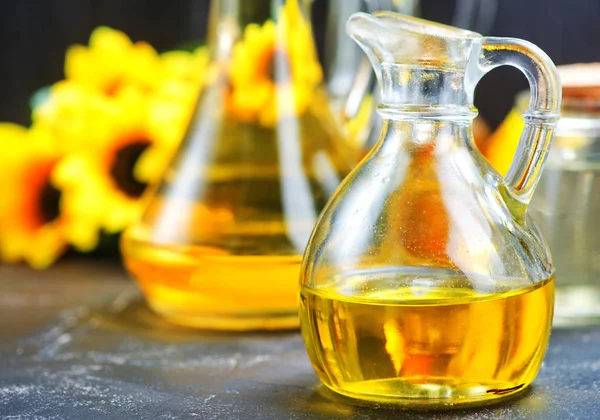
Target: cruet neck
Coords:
[[229, 18], [419, 64]]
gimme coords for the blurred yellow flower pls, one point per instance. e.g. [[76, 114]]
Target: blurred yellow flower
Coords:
[[100, 174], [98, 139], [71, 112], [500, 148], [112, 61], [32, 223], [274, 69], [117, 144], [182, 71]]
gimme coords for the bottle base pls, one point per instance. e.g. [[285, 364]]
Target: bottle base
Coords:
[[427, 393]]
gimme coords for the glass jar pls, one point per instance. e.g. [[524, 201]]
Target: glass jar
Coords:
[[567, 201], [566, 207]]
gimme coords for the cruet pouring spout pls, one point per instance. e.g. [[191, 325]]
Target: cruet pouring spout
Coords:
[[417, 62], [389, 38], [393, 39]]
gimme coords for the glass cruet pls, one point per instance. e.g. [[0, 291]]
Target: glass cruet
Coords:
[[567, 199], [425, 282], [220, 243]]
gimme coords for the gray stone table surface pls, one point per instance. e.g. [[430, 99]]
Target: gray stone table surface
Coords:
[[78, 342]]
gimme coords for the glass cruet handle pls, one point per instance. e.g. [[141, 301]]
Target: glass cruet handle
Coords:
[[540, 118]]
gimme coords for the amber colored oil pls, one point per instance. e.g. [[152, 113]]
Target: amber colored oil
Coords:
[[423, 346], [206, 288]]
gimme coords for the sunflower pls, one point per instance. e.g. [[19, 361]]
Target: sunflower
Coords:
[[274, 69], [98, 138], [33, 222], [73, 110], [100, 173], [118, 143], [112, 62]]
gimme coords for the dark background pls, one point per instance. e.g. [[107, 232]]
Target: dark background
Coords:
[[34, 35]]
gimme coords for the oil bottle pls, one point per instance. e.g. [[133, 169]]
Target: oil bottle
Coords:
[[221, 241], [425, 282]]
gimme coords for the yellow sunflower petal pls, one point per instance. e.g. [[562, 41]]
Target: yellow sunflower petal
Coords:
[[11, 138], [31, 215], [48, 246], [77, 62], [101, 179], [109, 40], [112, 61], [184, 67], [502, 145], [83, 235], [151, 165]]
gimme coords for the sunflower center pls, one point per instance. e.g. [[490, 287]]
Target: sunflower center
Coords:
[[113, 87], [49, 203], [122, 167], [278, 64]]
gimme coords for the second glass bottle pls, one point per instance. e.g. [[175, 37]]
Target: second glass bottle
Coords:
[[221, 240]]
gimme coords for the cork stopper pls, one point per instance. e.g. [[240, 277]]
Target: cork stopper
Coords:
[[581, 83]]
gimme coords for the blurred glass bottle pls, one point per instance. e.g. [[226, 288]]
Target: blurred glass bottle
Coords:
[[344, 60], [221, 240], [350, 78], [567, 201]]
